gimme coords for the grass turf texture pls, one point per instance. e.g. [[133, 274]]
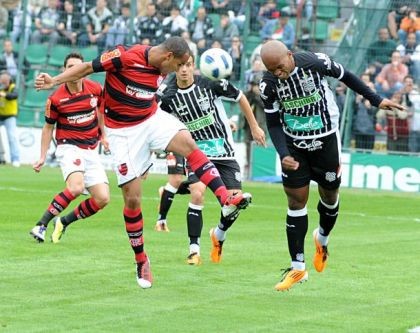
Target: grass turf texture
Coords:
[[87, 281]]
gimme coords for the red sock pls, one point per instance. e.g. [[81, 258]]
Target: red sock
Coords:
[[60, 202], [208, 174], [134, 227]]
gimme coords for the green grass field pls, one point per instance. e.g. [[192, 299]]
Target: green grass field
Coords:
[[87, 282]]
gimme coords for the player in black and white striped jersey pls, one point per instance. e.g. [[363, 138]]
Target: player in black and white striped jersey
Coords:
[[197, 102], [302, 119]]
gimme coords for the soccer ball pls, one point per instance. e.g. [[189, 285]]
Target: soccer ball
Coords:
[[216, 64]]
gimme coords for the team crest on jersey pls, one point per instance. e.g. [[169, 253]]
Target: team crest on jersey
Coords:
[[308, 83], [94, 102], [110, 55], [204, 102], [77, 162], [122, 169], [181, 109]]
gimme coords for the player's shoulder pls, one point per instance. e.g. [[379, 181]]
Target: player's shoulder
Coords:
[[305, 59], [269, 78], [92, 85], [204, 82]]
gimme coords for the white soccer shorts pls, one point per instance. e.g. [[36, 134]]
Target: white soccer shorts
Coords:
[[72, 159], [131, 147]]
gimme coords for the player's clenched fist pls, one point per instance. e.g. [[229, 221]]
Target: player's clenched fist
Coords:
[[43, 81]]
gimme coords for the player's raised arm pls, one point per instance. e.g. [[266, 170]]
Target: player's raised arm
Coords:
[[44, 81]]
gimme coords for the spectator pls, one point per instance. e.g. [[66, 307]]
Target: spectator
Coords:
[[305, 42], [217, 6], [149, 26], [253, 96], [225, 31], [4, 20], [391, 77], [100, 19], [174, 24], [191, 44], [410, 55], [217, 44], [17, 32], [267, 12], [255, 72], [69, 24], [188, 8], [411, 100], [280, 29], [364, 122], [9, 60], [379, 52], [142, 7], [396, 126], [118, 33], [46, 24], [399, 9], [8, 114], [201, 29], [235, 52], [410, 23], [163, 8]]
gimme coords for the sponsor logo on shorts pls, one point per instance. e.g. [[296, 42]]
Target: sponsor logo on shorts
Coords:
[[77, 162], [308, 145], [330, 176], [122, 169]]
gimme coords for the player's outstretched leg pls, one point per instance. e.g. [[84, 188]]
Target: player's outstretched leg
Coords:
[[166, 195]]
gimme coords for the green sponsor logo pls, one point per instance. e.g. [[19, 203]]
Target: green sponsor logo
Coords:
[[214, 147], [303, 124], [301, 102], [200, 123]]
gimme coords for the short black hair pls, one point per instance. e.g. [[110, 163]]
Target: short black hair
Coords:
[[177, 45], [73, 55]]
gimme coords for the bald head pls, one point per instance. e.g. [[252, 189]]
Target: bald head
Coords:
[[277, 58], [273, 48]]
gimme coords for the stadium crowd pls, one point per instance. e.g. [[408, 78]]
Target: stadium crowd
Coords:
[[392, 61]]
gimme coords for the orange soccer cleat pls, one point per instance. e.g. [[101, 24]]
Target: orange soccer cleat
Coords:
[[290, 278], [216, 249], [321, 253]]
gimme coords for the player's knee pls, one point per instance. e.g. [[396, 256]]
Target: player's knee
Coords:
[[76, 189], [197, 197], [102, 200]]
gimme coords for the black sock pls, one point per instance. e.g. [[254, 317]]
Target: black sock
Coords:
[[225, 223], [165, 203], [296, 228], [69, 218], [194, 222], [327, 217]]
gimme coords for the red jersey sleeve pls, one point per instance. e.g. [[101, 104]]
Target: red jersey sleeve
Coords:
[[51, 113], [110, 61]]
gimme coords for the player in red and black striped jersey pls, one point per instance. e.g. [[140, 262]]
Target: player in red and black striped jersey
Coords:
[[73, 111], [135, 126]]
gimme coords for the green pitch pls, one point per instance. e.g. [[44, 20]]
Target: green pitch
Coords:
[[87, 282]]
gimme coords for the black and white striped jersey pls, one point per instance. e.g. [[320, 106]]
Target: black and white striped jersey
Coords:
[[306, 103], [200, 108]]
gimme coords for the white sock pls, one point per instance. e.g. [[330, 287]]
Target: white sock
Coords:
[[300, 266], [195, 248], [322, 239], [220, 234]]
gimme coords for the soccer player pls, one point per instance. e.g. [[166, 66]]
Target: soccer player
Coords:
[[196, 101], [175, 185], [135, 125], [73, 110], [302, 119]]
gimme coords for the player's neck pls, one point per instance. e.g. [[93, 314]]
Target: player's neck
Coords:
[[75, 87], [183, 84]]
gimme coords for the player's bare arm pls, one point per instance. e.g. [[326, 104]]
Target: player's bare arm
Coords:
[[256, 131], [387, 104], [44, 81], [46, 137]]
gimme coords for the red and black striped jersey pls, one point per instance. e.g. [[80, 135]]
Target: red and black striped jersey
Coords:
[[130, 85], [75, 115]]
